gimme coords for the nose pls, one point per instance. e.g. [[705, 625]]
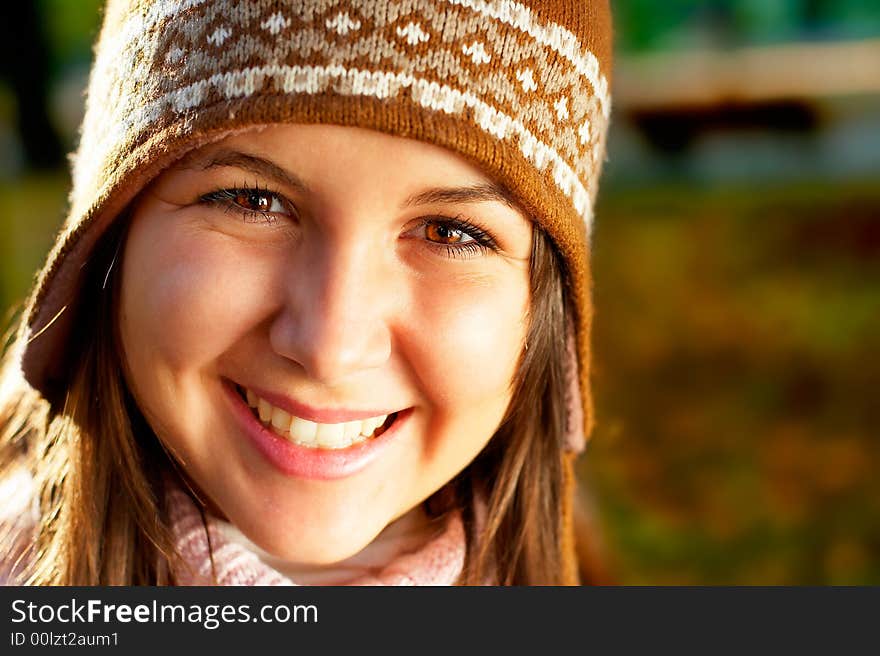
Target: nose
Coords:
[[335, 319]]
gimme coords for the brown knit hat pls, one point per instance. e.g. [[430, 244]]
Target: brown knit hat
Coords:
[[519, 88]]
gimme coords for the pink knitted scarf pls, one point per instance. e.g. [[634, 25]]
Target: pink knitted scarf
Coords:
[[438, 562]]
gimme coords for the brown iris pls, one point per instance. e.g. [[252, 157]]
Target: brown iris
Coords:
[[255, 201], [443, 234]]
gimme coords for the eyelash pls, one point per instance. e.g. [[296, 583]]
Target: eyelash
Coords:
[[483, 241], [226, 197]]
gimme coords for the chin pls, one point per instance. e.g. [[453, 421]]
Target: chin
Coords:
[[312, 541], [320, 549], [321, 555]]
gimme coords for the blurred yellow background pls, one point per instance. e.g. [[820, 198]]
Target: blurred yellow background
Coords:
[[737, 276]]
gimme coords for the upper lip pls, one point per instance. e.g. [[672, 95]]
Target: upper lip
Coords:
[[313, 413]]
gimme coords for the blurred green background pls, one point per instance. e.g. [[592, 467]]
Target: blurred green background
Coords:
[[737, 277]]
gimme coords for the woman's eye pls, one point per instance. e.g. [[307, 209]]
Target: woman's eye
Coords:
[[457, 238], [251, 203], [444, 234], [258, 201]]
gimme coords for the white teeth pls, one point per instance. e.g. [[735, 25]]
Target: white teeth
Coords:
[[332, 436], [303, 431], [280, 420], [309, 433], [353, 430], [265, 410]]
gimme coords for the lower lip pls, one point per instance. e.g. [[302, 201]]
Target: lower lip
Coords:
[[305, 462]]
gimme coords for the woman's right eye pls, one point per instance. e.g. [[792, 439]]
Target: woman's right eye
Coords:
[[253, 204], [457, 238]]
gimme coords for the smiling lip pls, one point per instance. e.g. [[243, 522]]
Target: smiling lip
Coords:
[[309, 462], [317, 415]]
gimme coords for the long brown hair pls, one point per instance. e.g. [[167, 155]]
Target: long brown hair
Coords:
[[98, 467], [521, 467]]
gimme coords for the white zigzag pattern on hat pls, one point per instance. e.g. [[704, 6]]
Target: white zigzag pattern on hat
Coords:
[[552, 35]]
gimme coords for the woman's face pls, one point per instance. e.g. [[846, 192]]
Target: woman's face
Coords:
[[367, 293]]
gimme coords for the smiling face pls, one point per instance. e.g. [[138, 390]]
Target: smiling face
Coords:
[[331, 276]]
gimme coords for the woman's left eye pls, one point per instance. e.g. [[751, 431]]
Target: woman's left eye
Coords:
[[251, 203], [457, 237], [440, 233]]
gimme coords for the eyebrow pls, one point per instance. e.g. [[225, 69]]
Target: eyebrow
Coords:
[[481, 193], [252, 163]]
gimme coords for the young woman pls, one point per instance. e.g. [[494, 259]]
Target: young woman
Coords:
[[320, 312]]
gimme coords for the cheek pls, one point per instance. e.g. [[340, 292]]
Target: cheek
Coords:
[[471, 341], [185, 297]]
